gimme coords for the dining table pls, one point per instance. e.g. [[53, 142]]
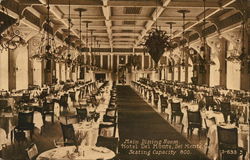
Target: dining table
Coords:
[[83, 153]]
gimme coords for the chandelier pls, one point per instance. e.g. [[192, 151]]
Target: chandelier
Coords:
[[203, 59], [47, 49], [157, 42], [69, 60], [80, 57], [240, 55], [182, 62], [10, 39]]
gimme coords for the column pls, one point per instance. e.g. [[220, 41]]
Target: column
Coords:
[[58, 72], [21, 67], [142, 62], [101, 61], [4, 70], [37, 72]]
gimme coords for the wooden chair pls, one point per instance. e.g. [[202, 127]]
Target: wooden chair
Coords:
[[108, 142], [107, 130], [4, 105], [72, 95], [81, 114], [25, 123], [194, 121], [64, 101], [156, 98], [48, 109], [209, 101], [111, 112], [176, 111], [225, 109], [107, 118], [68, 134], [164, 103], [228, 144]]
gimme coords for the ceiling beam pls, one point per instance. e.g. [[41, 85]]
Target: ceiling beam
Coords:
[[195, 4], [208, 14], [126, 3], [83, 3], [107, 13], [59, 16]]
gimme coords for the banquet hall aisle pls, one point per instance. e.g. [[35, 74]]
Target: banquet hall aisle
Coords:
[[145, 135]]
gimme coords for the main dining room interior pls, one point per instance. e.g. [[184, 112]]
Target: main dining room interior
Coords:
[[124, 79]]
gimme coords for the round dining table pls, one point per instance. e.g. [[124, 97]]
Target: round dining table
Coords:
[[85, 153]]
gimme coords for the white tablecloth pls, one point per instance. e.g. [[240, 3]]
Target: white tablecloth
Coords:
[[65, 153]]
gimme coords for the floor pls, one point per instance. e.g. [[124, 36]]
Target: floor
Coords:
[[146, 135]]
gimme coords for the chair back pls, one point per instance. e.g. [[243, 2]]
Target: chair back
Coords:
[[209, 99], [81, 113], [3, 103], [190, 95], [227, 138], [107, 130], [68, 134], [48, 106], [194, 118], [164, 100], [25, 118], [72, 95], [107, 118], [25, 97], [32, 152], [225, 107], [111, 112], [64, 100], [108, 142], [176, 106]]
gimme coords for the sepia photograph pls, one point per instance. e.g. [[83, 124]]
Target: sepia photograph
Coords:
[[124, 79]]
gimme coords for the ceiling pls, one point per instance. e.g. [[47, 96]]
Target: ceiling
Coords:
[[124, 23]]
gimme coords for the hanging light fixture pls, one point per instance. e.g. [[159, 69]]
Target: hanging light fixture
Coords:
[[80, 10], [68, 59], [80, 58], [11, 38], [171, 39], [156, 42], [86, 36], [91, 49], [203, 48], [46, 42], [239, 55], [183, 63]]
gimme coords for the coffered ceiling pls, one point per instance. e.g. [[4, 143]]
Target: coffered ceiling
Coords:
[[124, 23]]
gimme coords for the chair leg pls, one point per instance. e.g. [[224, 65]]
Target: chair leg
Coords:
[[52, 118], [182, 126]]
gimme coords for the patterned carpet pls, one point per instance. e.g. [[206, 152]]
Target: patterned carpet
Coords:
[[145, 135]]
